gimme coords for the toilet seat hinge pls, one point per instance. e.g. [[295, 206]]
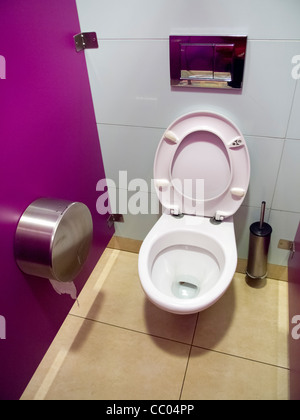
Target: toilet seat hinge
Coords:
[[174, 210], [221, 215]]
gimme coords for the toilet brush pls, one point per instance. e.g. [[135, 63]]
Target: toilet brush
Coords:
[[259, 241]]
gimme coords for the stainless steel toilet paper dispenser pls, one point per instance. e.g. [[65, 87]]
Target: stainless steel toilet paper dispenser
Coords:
[[53, 239]]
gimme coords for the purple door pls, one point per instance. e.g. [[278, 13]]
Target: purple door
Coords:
[[49, 147], [294, 317]]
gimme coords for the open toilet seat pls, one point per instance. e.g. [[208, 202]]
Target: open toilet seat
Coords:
[[202, 166]]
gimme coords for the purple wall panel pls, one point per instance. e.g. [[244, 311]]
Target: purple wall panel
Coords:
[[294, 311], [49, 148]]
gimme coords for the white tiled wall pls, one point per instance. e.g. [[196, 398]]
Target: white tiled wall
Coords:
[[134, 102]]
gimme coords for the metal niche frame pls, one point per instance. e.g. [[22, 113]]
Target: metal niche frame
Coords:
[[207, 61]]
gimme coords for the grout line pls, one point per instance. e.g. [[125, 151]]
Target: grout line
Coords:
[[118, 39], [291, 110], [283, 148], [131, 125], [186, 368], [131, 330], [243, 358], [189, 356]]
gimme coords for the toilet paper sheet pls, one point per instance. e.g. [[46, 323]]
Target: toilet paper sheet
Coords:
[[64, 288]]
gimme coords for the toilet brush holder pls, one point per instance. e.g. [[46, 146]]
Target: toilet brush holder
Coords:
[[259, 242]]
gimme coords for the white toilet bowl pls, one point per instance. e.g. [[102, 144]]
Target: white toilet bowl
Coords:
[[188, 259], [187, 263]]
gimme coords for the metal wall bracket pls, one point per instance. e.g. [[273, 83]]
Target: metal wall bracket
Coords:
[[287, 245], [115, 218], [85, 40]]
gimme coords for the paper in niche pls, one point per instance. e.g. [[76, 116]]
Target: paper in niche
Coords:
[[67, 288]]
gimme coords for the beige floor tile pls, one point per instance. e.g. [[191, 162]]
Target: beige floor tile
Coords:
[[216, 376], [106, 362], [248, 321], [113, 295]]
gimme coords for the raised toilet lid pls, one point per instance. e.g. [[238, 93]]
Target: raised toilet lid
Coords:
[[202, 166]]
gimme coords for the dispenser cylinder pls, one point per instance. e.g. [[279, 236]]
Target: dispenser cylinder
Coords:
[[259, 241], [53, 239]]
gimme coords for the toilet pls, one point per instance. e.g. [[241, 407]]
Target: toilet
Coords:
[[201, 177]]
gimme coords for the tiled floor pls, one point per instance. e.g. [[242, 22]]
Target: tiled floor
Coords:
[[117, 345]]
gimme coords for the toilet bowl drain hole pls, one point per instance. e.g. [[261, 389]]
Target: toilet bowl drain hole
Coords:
[[186, 287]]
